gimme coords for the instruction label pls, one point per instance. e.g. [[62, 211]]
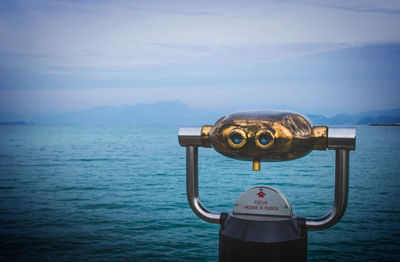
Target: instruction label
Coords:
[[263, 200]]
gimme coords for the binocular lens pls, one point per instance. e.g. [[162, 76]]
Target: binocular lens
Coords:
[[264, 139], [236, 138]]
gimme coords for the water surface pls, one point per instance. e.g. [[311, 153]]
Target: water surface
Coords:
[[117, 193]]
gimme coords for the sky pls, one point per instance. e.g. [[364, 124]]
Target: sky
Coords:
[[319, 56]]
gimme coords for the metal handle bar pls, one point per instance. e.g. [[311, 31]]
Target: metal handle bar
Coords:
[[340, 139], [192, 187], [341, 194]]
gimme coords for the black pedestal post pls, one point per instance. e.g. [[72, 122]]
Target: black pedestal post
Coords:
[[252, 238]]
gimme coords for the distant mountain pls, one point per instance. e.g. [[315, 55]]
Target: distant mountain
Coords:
[[171, 113], [364, 118], [14, 123], [178, 113]]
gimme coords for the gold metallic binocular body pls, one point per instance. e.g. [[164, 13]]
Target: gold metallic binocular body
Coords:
[[264, 136]]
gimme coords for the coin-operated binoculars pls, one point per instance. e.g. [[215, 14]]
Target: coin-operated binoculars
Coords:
[[261, 226]]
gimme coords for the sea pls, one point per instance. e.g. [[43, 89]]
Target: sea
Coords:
[[117, 193]]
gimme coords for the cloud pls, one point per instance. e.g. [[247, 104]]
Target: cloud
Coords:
[[366, 6], [171, 45], [63, 29]]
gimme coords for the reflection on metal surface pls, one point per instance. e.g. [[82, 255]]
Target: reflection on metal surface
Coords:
[[189, 136], [341, 137], [256, 165], [205, 136], [319, 135]]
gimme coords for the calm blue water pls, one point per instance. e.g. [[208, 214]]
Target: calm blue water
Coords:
[[117, 193]]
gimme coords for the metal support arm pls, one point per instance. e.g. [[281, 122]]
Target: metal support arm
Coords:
[[192, 187], [342, 140], [341, 194]]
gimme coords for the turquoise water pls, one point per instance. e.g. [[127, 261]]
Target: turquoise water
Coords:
[[117, 193]]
